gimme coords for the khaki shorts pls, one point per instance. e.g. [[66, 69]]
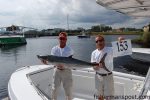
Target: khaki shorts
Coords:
[[64, 77], [104, 85]]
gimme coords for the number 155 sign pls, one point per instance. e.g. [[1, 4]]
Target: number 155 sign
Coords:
[[122, 48]]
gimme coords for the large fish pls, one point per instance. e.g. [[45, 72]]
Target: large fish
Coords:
[[69, 61]]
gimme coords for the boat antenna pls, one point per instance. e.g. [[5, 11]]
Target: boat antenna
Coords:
[[68, 22]]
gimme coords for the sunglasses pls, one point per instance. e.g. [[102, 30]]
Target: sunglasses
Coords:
[[99, 41], [62, 38]]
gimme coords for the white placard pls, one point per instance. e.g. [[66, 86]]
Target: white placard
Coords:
[[122, 48]]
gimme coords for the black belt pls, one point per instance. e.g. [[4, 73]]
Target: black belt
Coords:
[[104, 74], [58, 68]]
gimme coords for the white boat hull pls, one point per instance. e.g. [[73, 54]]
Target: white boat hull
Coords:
[[34, 83]]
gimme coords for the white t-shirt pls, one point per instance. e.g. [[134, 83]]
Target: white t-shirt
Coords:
[[64, 52], [98, 54]]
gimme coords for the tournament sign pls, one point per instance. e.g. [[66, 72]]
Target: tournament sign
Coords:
[[122, 48]]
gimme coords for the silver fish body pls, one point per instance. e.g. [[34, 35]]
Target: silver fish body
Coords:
[[67, 61]]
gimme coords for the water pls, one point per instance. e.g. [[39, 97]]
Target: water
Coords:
[[14, 58]]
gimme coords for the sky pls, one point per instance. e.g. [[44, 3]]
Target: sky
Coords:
[[44, 14]]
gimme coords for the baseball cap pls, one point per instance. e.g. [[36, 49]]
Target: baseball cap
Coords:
[[62, 35]]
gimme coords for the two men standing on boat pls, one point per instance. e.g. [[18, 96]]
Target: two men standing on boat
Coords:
[[62, 74], [103, 57]]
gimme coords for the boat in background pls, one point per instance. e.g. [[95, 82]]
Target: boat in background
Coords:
[[83, 35], [12, 36], [11, 40]]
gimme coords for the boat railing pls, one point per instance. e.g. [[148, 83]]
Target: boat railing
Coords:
[[146, 86]]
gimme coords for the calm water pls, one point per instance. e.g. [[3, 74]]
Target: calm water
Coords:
[[14, 58]]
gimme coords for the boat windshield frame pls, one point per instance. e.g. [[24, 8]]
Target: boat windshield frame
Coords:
[[146, 86]]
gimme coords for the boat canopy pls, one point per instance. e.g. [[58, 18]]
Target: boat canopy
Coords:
[[134, 8]]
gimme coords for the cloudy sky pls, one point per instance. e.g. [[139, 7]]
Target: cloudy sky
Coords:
[[43, 14]]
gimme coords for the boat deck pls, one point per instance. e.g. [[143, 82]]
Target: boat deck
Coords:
[[83, 84]]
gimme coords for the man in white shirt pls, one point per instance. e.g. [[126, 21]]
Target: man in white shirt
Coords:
[[62, 74], [103, 57]]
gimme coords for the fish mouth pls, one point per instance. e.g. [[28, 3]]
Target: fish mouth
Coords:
[[38, 56], [42, 58]]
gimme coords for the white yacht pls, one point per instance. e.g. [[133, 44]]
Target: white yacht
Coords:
[[83, 35]]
